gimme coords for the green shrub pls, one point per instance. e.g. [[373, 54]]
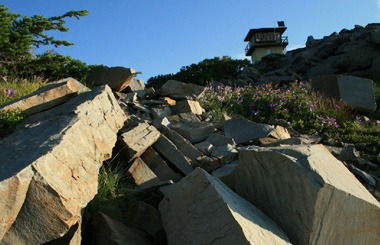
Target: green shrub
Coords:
[[205, 71]]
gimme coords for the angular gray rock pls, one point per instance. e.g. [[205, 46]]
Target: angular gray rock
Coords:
[[182, 144], [48, 96], [143, 176], [170, 151], [50, 164], [356, 92], [109, 231], [139, 139], [179, 90], [220, 140], [145, 217], [200, 209], [159, 166], [243, 130], [137, 86], [310, 194], [186, 106], [194, 131]]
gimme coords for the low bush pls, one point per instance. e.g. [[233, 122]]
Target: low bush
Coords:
[[307, 111]]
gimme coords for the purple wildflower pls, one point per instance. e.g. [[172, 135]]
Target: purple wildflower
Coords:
[[311, 106], [284, 100], [9, 92], [273, 106]]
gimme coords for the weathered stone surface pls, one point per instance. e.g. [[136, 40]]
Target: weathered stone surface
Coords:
[[109, 231], [227, 151], [205, 147], [179, 90], [310, 194], [227, 174], [280, 133], [145, 217], [118, 78], [184, 118], [194, 131], [159, 166], [49, 166], [160, 112], [220, 140], [182, 144], [137, 86], [143, 176], [139, 139], [348, 153], [354, 91], [48, 96], [200, 209], [170, 151], [243, 130], [188, 106]]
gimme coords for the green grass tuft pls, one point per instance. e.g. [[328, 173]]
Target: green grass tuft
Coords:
[[115, 192]]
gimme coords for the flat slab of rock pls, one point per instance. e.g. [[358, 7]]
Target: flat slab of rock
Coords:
[[139, 139], [194, 131], [118, 78], [48, 96], [182, 144], [49, 166], [185, 106], [143, 176], [170, 151], [356, 92], [200, 209], [179, 90], [159, 166], [310, 194], [243, 130]]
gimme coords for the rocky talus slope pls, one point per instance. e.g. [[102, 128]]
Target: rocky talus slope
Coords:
[[233, 182]]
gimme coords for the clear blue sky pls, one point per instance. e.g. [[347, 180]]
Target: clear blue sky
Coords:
[[160, 36]]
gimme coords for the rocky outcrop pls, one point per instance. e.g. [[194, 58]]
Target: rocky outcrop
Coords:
[[310, 194], [49, 167], [52, 162], [351, 52], [200, 209]]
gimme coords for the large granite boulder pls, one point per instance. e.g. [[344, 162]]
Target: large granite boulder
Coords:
[[310, 194], [49, 166], [200, 209], [179, 90], [118, 78], [356, 92], [109, 231]]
